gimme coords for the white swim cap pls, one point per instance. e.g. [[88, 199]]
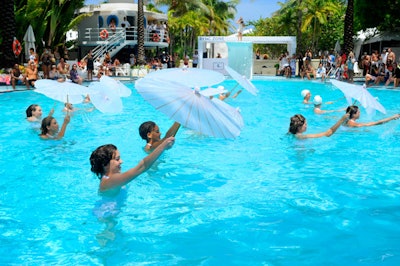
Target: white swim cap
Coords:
[[304, 92], [317, 100]]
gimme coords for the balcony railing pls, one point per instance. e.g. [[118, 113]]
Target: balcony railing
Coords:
[[92, 35]]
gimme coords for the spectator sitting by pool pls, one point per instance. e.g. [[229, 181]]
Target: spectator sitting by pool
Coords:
[[106, 163], [31, 75], [50, 128], [354, 113], [306, 94], [34, 113], [74, 75], [150, 132], [395, 78], [321, 72], [298, 125], [54, 74], [16, 76], [317, 106]]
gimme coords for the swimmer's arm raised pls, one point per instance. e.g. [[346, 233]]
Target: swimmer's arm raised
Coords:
[[121, 179], [61, 134], [170, 133]]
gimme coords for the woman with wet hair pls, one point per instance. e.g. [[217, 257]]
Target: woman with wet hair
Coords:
[[354, 114], [298, 125], [106, 164], [34, 113], [150, 132], [50, 127]]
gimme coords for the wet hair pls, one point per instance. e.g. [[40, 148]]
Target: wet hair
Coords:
[[100, 158], [352, 110], [296, 122], [31, 108], [145, 128], [45, 123]]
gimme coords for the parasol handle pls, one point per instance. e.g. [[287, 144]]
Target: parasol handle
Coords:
[[331, 102]]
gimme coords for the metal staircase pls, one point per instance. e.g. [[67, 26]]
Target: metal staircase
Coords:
[[113, 44]]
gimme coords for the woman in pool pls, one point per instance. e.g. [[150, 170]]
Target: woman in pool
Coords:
[[354, 113], [106, 163], [306, 94], [50, 128], [34, 113], [150, 132], [298, 125], [317, 101]]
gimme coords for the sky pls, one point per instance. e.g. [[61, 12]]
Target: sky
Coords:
[[248, 9]]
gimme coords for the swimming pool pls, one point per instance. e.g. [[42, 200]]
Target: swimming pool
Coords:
[[261, 199]]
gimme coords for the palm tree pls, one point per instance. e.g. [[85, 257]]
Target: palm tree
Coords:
[[348, 27], [56, 26], [219, 13], [7, 33], [316, 13], [140, 42], [299, 35], [287, 17]]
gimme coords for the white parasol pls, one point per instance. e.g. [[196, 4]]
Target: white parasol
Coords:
[[29, 39], [242, 80], [190, 77], [213, 91], [361, 94], [118, 86], [105, 99], [230, 110], [188, 107], [61, 91]]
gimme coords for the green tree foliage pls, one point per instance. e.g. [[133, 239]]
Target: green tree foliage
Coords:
[[188, 19], [50, 19], [383, 14], [320, 26]]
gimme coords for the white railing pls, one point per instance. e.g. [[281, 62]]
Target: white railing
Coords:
[[92, 35]]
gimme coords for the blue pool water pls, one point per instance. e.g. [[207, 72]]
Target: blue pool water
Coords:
[[262, 199]]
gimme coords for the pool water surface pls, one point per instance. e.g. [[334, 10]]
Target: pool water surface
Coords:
[[263, 198]]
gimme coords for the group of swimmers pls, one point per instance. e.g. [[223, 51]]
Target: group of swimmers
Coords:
[[298, 123], [105, 160]]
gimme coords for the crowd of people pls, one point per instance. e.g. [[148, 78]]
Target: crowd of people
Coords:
[[50, 63], [376, 69]]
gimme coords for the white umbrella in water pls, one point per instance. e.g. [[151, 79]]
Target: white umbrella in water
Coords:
[[361, 94], [242, 80], [189, 107], [61, 91], [105, 99], [191, 77], [212, 91], [29, 39], [116, 85]]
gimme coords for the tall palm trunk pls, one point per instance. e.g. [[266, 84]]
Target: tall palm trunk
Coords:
[[299, 34], [7, 32], [140, 42], [348, 27]]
